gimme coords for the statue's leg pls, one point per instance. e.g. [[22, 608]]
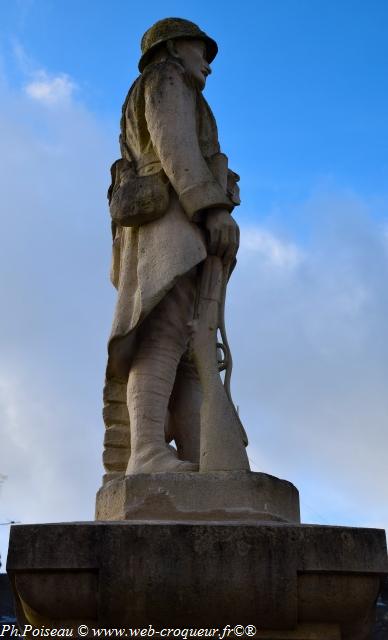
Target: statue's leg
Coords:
[[117, 438], [162, 340], [185, 410]]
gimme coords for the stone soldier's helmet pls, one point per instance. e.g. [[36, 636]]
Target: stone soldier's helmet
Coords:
[[168, 29]]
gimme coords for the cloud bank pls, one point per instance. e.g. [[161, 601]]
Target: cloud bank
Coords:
[[310, 336], [56, 301]]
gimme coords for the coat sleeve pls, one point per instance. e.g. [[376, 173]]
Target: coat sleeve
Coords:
[[170, 110]]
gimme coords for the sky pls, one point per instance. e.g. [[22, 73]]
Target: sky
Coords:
[[299, 90]]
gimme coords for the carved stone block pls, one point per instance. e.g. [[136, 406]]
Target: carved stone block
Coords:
[[222, 496], [295, 582]]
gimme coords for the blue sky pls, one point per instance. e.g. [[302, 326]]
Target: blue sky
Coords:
[[305, 78], [299, 90]]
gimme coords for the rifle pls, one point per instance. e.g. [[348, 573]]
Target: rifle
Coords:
[[223, 438]]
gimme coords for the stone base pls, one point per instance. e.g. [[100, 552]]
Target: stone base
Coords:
[[223, 496], [299, 582]]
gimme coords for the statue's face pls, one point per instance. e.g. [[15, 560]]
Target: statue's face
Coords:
[[192, 54]]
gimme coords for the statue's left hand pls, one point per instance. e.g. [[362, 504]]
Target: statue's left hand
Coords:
[[224, 234]]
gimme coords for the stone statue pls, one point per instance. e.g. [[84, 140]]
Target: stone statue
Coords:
[[174, 247]]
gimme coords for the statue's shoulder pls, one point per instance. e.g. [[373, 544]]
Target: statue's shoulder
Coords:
[[165, 71], [154, 79]]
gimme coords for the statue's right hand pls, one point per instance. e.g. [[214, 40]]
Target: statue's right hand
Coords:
[[223, 234]]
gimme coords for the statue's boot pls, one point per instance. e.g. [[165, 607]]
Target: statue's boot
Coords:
[[147, 401], [162, 341]]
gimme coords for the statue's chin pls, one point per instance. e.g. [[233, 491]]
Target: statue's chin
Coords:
[[200, 82]]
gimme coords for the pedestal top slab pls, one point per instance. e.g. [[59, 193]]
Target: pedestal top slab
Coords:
[[219, 496]]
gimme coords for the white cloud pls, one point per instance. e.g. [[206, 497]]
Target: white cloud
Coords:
[[49, 89], [52, 90], [267, 246]]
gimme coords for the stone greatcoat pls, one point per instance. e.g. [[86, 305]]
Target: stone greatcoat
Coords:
[[166, 124]]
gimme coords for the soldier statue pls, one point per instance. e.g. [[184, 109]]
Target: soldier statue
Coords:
[[174, 246]]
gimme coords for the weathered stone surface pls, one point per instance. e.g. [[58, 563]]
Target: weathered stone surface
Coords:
[[118, 436], [303, 632], [115, 413], [115, 459], [225, 496], [279, 577], [380, 630], [60, 592], [115, 391]]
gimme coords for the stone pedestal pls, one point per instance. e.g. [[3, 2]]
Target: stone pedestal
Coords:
[[300, 582], [223, 496], [199, 551]]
